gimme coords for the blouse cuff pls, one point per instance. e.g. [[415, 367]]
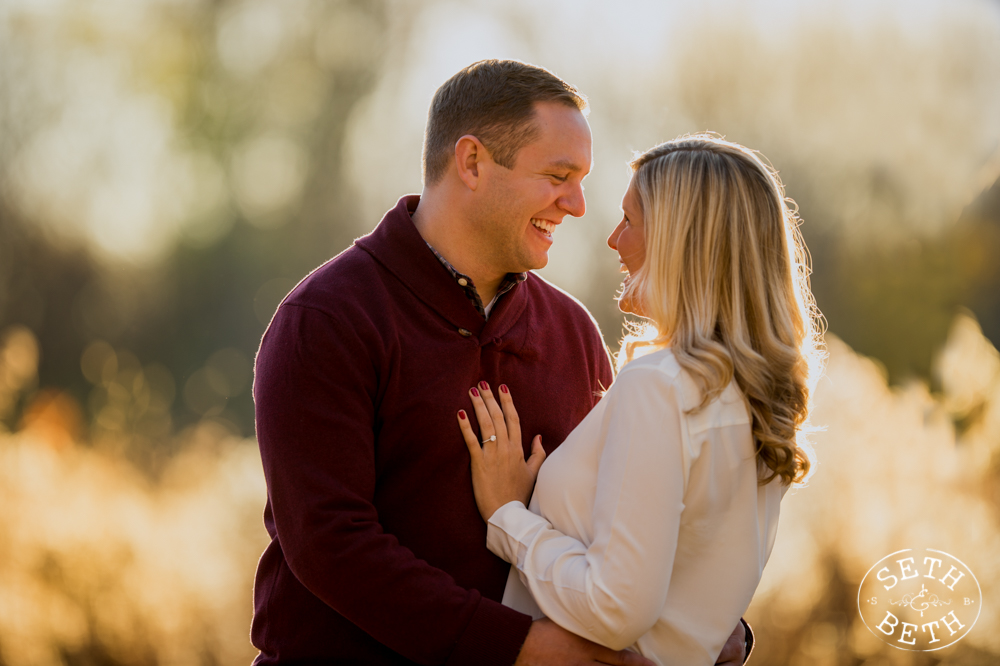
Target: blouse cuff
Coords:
[[509, 529]]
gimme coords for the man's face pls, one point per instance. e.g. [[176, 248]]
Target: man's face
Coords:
[[521, 207]]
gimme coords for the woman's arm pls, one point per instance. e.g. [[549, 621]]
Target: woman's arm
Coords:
[[613, 590]]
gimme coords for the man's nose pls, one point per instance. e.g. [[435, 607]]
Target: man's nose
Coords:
[[573, 201]]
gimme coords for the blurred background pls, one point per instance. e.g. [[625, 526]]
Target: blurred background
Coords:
[[170, 169]]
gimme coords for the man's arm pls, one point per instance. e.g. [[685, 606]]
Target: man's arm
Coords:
[[549, 644], [737, 648], [315, 390], [747, 640]]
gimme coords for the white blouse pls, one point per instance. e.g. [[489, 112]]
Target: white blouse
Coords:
[[647, 528]]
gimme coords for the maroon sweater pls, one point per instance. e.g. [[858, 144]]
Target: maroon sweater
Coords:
[[378, 553]]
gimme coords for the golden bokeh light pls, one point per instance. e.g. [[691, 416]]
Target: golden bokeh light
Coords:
[[170, 170]]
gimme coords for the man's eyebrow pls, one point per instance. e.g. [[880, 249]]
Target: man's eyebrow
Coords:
[[568, 165]]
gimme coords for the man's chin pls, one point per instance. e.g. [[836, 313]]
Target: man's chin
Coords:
[[534, 263]]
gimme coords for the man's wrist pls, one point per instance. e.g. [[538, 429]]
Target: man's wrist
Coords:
[[493, 637]]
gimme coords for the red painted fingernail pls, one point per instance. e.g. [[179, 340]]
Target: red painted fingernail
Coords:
[[484, 386], [503, 388], [475, 392], [461, 414]]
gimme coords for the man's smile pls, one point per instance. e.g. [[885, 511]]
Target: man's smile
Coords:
[[544, 226]]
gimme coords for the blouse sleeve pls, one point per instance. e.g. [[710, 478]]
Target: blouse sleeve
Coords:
[[612, 590]]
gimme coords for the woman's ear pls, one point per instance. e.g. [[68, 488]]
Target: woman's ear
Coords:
[[470, 156]]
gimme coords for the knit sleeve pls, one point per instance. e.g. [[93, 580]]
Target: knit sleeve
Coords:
[[612, 590]]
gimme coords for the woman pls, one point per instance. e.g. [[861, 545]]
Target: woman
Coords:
[[649, 527]]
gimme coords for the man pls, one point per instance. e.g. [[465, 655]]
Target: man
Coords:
[[378, 554]]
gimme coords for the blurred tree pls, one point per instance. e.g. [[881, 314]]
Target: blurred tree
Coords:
[[978, 240], [275, 123], [39, 280], [260, 94], [896, 302], [216, 287]]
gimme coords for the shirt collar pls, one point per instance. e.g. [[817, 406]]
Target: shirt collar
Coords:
[[397, 246], [509, 281]]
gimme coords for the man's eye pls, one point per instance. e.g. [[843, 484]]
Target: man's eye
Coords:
[[558, 177]]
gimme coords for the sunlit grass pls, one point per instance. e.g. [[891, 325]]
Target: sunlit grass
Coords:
[[898, 468], [100, 558], [100, 563]]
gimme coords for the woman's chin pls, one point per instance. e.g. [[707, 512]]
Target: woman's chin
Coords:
[[626, 299], [628, 307]]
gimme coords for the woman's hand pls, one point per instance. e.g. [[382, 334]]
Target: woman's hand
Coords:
[[500, 473]]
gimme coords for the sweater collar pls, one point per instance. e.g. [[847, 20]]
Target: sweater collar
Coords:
[[398, 246]]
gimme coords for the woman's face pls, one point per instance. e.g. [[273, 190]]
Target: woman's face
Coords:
[[628, 239]]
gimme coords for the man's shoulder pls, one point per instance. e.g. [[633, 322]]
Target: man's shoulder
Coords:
[[339, 300], [351, 276]]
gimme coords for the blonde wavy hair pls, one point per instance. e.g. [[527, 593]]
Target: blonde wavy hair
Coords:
[[725, 284]]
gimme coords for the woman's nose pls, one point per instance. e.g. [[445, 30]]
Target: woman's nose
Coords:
[[613, 238]]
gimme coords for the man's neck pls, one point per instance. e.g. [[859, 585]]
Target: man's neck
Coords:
[[450, 234]]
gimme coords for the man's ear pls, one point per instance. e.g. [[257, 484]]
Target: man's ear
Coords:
[[470, 156]]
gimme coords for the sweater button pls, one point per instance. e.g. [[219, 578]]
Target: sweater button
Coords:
[[464, 333]]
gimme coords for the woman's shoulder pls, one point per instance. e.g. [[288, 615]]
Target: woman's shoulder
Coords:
[[658, 369], [661, 361], [661, 368]]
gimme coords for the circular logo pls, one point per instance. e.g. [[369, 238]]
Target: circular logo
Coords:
[[920, 599]]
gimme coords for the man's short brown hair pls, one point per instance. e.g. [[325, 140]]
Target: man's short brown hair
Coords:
[[492, 100]]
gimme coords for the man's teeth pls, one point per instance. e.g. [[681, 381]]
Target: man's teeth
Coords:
[[543, 225]]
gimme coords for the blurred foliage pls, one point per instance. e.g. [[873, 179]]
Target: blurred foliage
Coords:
[[261, 110], [896, 302], [101, 565], [894, 472], [169, 170], [214, 165]]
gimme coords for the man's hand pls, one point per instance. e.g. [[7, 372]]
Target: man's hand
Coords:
[[548, 644], [733, 651]]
